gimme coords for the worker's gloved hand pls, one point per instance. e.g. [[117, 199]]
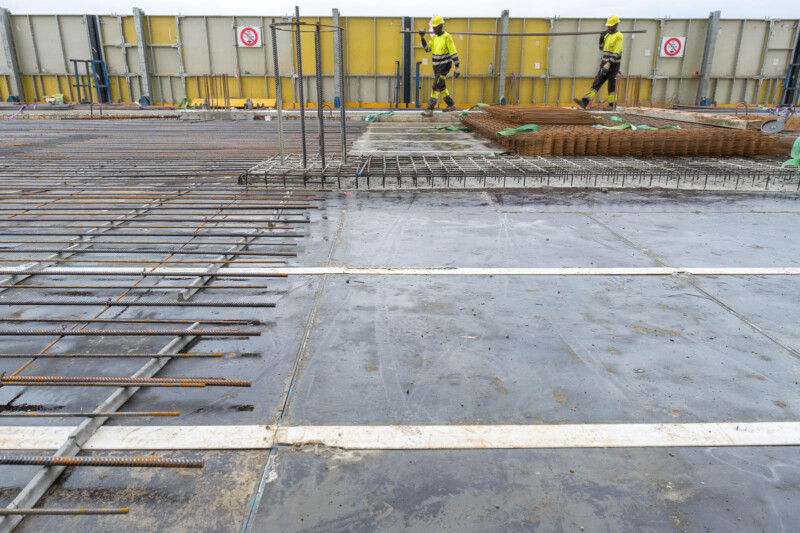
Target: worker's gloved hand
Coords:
[[422, 33], [605, 67], [457, 73]]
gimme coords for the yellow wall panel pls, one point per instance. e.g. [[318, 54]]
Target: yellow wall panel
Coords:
[[389, 44], [3, 88], [50, 85], [360, 53], [129, 30], [163, 30], [253, 87]]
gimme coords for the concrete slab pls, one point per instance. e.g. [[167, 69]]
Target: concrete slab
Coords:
[[384, 350], [401, 138], [731, 489], [524, 351]]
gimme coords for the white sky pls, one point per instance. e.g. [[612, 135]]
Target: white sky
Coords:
[[788, 9]]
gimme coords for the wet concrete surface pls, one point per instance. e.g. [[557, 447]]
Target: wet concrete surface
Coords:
[[476, 350]]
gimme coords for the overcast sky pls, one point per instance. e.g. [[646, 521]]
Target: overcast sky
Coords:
[[421, 8]]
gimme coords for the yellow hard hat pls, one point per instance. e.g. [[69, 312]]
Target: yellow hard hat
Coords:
[[435, 21], [612, 20]]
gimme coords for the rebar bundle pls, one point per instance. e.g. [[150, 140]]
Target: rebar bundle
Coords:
[[571, 140], [541, 115]]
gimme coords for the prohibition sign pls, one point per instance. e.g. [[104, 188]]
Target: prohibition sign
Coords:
[[249, 36], [672, 47]]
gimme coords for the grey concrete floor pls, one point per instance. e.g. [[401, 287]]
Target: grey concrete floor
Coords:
[[389, 350]]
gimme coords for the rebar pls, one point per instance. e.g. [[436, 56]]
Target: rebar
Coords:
[[278, 93], [128, 332], [65, 512], [318, 75], [300, 84], [143, 273], [147, 218], [117, 414], [108, 355], [40, 380], [148, 462], [133, 303], [191, 241], [113, 233], [174, 251], [141, 261]]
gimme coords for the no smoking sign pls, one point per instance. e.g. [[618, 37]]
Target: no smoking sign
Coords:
[[673, 46], [248, 36]]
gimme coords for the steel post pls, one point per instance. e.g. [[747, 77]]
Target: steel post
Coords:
[[708, 55], [144, 59], [501, 63], [342, 101], [337, 65], [7, 36]]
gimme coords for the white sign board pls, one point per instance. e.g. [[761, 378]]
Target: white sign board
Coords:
[[673, 46], [248, 36]]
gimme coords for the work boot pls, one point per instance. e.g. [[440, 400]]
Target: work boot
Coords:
[[431, 104], [451, 105], [583, 102]]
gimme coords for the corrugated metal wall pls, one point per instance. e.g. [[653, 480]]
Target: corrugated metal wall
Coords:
[[749, 64]]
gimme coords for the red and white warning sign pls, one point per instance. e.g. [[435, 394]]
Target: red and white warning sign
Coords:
[[673, 46], [249, 36]]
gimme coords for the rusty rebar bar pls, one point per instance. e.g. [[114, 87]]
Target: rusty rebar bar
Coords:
[[141, 261], [110, 355], [117, 414], [143, 273], [65, 512], [134, 303], [149, 462], [230, 322], [134, 251], [130, 333]]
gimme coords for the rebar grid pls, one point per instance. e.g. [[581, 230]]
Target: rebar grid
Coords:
[[66, 197], [514, 171]]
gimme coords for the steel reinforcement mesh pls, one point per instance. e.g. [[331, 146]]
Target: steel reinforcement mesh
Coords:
[[542, 115], [584, 140]]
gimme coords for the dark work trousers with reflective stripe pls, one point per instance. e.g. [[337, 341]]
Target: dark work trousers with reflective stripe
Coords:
[[440, 80], [610, 76]]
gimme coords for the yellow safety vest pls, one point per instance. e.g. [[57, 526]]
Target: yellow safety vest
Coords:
[[443, 49], [612, 47]]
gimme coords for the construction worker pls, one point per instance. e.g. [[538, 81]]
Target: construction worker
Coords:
[[444, 52], [611, 46]]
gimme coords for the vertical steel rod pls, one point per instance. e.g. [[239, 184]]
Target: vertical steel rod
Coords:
[[320, 115], [342, 103], [300, 84], [278, 95]]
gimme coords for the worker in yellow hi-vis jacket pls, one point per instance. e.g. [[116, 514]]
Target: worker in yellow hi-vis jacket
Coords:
[[444, 53], [611, 46]]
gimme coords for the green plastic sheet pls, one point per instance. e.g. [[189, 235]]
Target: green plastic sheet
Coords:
[[512, 131], [374, 116], [795, 156]]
